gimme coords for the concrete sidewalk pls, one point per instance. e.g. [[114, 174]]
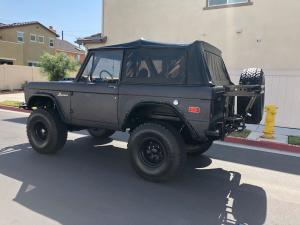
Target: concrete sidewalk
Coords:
[[280, 141], [280, 136], [12, 97]]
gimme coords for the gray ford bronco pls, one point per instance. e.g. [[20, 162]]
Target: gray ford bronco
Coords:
[[173, 99]]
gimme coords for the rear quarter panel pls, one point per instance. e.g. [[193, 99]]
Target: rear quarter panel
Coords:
[[132, 94]]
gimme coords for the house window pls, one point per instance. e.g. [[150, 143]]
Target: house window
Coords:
[[226, 3], [78, 57], [41, 39], [33, 37], [20, 36], [51, 42]]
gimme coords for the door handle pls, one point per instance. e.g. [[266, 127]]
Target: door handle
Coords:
[[112, 86]]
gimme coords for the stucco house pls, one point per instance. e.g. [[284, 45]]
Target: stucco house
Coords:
[[250, 33], [69, 49], [24, 43], [92, 41]]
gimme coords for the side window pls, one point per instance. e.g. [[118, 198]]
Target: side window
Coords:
[[166, 66], [107, 66], [217, 69], [85, 76], [51, 42], [20, 36]]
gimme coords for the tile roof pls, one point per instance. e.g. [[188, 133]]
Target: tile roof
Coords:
[[95, 38], [2, 26], [66, 46]]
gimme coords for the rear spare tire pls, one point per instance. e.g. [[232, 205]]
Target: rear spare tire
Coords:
[[45, 131], [156, 152], [252, 76], [100, 132]]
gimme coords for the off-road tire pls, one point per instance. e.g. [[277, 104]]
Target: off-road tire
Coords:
[[100, 132], [252, 76], [198, 149], [55, 135], [170, 144]]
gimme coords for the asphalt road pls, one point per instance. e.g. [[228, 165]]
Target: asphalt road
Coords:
[[91, 182]]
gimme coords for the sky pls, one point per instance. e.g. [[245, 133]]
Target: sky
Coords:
[[76, 18]]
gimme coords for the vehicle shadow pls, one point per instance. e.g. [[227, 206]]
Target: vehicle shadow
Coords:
[[89, 182], [20, 120]]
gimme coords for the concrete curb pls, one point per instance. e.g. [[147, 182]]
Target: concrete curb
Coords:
[[15, 109], [264, 144], [235, 140]]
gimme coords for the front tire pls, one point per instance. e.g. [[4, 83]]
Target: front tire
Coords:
[[156, 152], [45, 131]]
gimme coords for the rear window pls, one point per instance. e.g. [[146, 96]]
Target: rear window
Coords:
[[217, 69], [156, 66]]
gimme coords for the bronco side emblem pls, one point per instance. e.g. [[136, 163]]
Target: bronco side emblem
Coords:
[[62, 95]]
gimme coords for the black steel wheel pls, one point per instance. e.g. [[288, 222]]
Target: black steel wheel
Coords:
[[45, 131], [152, 152], [156, 152]]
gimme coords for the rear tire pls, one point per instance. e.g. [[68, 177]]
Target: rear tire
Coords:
[[156, 152], [252, 76], [195, 150], [100, 132], [45, 131]]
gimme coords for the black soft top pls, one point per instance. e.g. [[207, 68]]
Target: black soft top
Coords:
[[200, 45], [204, 61]]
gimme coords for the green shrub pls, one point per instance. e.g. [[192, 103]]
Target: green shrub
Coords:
[[294, 140], [241, 134], [24, 84], [57, 66]]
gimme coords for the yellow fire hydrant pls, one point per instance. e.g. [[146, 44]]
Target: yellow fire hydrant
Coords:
[[270, 121]]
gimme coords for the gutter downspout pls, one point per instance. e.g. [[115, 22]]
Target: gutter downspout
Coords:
[[102, 30]]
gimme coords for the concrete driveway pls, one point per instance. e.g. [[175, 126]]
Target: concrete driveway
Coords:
[[91, 182]]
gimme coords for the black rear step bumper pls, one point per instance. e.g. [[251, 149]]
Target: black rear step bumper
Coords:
[[233, 122]]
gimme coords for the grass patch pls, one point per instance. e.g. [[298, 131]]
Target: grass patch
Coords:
[[241, 134], [294, 140], [10, 103]]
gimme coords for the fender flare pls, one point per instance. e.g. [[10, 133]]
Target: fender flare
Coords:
[[177, 112], [49, 96]]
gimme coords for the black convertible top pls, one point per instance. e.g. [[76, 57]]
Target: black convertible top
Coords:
[[204, 61], [150, 44]]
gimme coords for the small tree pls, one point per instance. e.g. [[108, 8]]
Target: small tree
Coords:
[[57, 66]]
